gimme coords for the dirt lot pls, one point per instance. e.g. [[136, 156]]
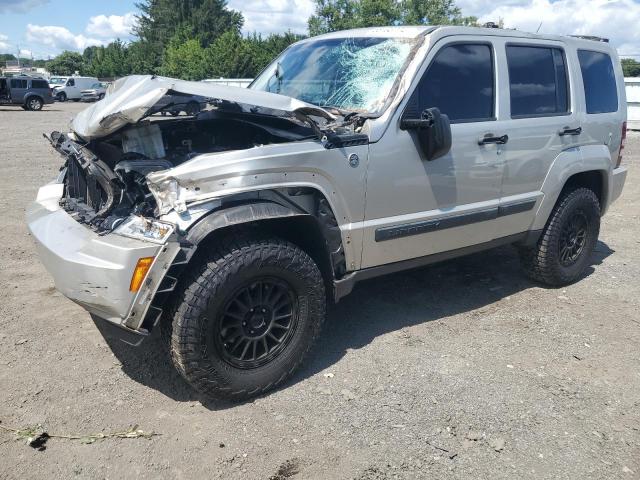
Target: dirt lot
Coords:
[[461, 370]]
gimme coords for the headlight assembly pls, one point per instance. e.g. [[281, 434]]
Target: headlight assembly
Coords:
[[143, 228]]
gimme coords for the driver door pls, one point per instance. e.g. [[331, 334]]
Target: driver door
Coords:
[[416, 207]]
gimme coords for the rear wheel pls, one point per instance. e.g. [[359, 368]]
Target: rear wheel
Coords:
[[247, 317], [563, 251], [34, 104]]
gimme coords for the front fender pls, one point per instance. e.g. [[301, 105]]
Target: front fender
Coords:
[[238, 215]]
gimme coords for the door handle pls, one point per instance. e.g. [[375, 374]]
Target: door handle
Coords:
[[490, 138], [570, 131]]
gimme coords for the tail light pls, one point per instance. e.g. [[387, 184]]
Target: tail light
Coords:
[[623, 139]]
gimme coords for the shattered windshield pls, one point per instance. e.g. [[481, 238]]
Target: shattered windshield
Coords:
[[346, 73]]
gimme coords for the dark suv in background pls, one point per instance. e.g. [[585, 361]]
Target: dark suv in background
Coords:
[[29, 93]]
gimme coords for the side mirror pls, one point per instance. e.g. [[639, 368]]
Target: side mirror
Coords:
[[433, 130]]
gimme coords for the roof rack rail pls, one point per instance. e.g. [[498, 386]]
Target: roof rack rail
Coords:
[[591, 37]]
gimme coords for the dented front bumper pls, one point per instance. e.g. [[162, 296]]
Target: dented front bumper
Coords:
[[95, 270]]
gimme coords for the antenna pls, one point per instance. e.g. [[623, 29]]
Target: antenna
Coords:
[[539, 27]]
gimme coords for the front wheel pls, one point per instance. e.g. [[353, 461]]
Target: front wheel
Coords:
[[61, 97], [564, 249], [247, 317]]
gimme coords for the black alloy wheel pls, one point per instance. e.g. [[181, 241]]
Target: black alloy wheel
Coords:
[[573, 238], [257, 323]]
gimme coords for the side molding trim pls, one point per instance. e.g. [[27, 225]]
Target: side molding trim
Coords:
[[417, 228]]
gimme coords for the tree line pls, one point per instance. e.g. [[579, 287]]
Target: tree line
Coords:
[[197, 39]]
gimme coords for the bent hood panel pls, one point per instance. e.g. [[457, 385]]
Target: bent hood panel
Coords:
[[130, 98]]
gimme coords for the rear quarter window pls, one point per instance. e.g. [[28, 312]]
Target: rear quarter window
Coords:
[[599, 79]]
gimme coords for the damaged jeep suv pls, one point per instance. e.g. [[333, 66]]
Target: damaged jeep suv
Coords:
[[354, 154]]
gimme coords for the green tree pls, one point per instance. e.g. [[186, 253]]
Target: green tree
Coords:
[[186, 60], [332, 15], [141, 60], [630, 67], [67, 63], [160, 20], [231, 56], [264, 50]]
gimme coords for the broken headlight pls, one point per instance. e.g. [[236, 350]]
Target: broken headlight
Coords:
[[142, 228]]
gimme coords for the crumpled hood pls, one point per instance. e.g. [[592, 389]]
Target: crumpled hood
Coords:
[[130, 98]]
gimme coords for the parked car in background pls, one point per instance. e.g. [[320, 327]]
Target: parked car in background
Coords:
[[96, 92], [26, 92], [70, 88]]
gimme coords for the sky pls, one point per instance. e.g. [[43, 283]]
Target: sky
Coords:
[[44, 28]]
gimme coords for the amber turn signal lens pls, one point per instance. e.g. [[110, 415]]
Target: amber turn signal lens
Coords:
[[140, 272]]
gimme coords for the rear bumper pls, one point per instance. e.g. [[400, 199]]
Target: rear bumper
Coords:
[[94, 270], [618, 177]]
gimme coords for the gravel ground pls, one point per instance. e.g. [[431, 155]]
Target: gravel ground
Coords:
[[461, 370]]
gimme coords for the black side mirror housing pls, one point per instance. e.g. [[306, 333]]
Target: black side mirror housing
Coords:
[[433, 130]]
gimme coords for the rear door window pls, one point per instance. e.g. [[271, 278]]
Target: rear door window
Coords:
[[599, 79], [18, 83], [460, 82], [537, 81]]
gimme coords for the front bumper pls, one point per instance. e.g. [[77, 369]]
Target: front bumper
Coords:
[[95, 270]]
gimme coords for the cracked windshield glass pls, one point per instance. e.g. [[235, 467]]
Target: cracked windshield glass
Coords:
[[345, 73]]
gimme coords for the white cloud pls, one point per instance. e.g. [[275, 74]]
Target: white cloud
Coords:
[[19, 6], [59, 38], [274, 16], [4, 44], [617, 20], [111, 26], [25, 53]]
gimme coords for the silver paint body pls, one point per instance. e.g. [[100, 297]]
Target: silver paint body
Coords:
[[388, 185]]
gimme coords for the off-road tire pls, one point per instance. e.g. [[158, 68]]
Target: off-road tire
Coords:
[[34, 104], [542, 262], [61, 97], [209, 286]]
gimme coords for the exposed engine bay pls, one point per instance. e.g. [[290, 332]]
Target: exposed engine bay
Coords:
[[118, 141], [105, 179]]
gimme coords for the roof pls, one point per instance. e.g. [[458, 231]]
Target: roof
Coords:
[[418, 30], [379, 32]]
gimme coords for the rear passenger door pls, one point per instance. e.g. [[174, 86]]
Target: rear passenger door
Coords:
[[539, 103], [18, 89]]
